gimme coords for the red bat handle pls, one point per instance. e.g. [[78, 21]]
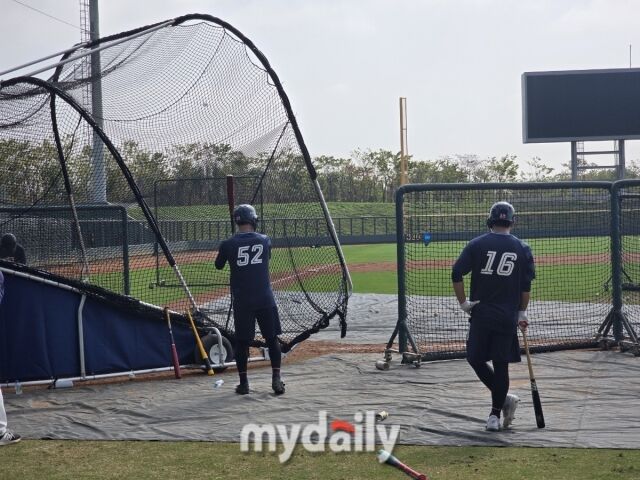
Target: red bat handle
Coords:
[[386, 457], [411, 472]]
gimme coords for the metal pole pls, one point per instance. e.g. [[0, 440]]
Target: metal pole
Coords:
[[73, 58], [574, 161], [53, 55], [621, 160], [616, 261], [83, 369], [402, 293], [125, 252], [98, 178]]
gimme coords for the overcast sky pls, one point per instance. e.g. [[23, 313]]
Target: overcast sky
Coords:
[[344, 63]]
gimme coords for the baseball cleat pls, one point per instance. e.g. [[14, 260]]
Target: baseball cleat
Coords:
[[509, 410], [493, 423], [278, 386], [9, 437], [242, 389]]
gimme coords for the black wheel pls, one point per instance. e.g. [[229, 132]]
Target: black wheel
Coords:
[[211, 347]]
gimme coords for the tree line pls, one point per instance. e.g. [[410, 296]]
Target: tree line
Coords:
[[32, 172]]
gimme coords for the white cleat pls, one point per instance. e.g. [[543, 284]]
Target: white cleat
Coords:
[[493, 423], [509, 410]]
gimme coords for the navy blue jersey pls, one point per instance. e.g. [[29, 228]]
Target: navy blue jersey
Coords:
[[501, 267], [248, 256]]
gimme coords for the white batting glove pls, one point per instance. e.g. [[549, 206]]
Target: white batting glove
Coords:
[[467, 306], [523, 320]]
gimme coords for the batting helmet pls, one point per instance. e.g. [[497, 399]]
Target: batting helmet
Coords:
[[501, 213], [244, 214]]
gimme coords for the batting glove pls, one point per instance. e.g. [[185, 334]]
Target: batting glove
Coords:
[[523, 320], [467, 306]]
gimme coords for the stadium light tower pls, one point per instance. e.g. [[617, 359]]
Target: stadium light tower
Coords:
[[90, 24]]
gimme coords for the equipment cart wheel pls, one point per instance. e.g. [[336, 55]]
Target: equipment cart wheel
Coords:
[[211, 347]]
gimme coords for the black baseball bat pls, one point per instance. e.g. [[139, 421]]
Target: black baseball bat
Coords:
[[174, 350], [535, 395]]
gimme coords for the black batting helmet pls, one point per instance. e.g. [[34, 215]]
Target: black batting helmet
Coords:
[[244, 214], [501, 213]]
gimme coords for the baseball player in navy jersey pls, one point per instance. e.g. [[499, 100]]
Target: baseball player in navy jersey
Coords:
[[502, 270], [248, 254]]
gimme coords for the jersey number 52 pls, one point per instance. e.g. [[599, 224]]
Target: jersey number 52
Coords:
[[245, 257], [505, 265]]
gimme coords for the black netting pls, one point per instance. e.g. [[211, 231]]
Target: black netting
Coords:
[[568, 230], [181, 107], [629, 201]]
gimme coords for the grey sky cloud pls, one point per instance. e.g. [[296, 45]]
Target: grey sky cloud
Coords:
[[345, 63]]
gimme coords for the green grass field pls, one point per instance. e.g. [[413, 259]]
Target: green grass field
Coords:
[[574, 282], [578, 282], [53, 460]]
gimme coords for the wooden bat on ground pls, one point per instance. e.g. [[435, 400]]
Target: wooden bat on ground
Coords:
[[203, 354], [386, 457], [537, 405], [174, 351]]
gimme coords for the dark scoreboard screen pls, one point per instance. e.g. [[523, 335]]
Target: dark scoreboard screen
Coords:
[[580, 105]]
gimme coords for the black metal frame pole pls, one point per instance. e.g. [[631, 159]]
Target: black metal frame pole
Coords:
[[616, 263], [401, 326]]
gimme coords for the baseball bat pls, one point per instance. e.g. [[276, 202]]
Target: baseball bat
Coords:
[[537, 404], [231, 200], [386, 457], [203, 354], [174, 351]]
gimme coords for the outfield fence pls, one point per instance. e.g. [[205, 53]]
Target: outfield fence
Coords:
[[584, 236]]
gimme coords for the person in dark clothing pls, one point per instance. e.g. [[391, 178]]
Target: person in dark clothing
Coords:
[[7, 437], [248, 253], [502, 269], [11, 250]]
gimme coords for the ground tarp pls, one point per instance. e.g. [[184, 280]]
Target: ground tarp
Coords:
[[590, 399]]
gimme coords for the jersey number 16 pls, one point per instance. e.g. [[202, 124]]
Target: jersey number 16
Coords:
[[505, 265], [245, 257]]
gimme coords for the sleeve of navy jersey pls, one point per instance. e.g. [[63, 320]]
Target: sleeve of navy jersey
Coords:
[[464, 264], [221, 259], [248, 256]]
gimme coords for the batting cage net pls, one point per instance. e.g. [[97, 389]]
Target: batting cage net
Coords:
[[115, 173], [568, 227], [627, 195]]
